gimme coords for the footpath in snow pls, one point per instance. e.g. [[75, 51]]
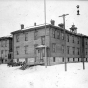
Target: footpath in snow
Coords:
[[41, 77]]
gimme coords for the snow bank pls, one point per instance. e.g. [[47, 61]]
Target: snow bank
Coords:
[[41, 77]]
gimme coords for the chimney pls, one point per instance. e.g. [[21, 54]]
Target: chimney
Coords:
[[35, 24], [73, 29], [61, 25], [52, 22], [22, 26]]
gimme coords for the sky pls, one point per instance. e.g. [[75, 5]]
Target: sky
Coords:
[[13, 13]]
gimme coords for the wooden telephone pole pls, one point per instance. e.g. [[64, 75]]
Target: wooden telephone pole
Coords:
[[64, 40]]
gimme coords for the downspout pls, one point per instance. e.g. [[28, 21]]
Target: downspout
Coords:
[[49, 45], [13, 46]]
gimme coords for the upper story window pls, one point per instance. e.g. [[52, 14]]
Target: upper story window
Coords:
[[43, 40], [73, 39], [17, 50], [67, 37], [86, 41], [26, 49], [26, 36], [86, 51], [17, 38], [5, 43], [35, 34], [1, 51], [73, 50], [78, 40], [58, 34], [62, 48], [35, 45], [78, 51], [53, 33], [1, 43], [53, 47], [67, 49], [6, 53], [62, 36]]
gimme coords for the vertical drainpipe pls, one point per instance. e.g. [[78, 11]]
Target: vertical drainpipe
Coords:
[[49, 47], [13, 46]]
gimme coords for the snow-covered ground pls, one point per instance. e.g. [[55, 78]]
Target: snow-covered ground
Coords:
[[41, 77]]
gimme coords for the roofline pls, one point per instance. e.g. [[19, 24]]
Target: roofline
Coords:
[[3, 38], [29, 29], [43, 26]]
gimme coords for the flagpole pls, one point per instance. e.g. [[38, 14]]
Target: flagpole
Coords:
[[45, 32]]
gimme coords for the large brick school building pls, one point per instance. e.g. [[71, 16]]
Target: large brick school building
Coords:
[[29, 45]]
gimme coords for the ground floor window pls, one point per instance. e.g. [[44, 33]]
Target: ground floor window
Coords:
[[53, 59], [73, 59], [26, 60], [63, 59], [17, 59], [35, 59], [78, 59], [86, 59], [68, 59]]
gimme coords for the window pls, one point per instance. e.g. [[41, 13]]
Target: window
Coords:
[[53, 59], [17, 38], [68, 59], [78, 59], [86, 41], [62, 35], [67, 49], [63, 59], [73, 50], [86, 51], [73, 39], [26, 49], [5, 43], [17, 50], [78, 51], [86, 59], [43, 52], [26, 36], [53, 33], [5, 53], [43, 40], [1, 51], [62, 48], [73, 59], [58, 34], [35, 45], [1, 43], [35, 34], [67, 38], [53, 47], [78, 40]]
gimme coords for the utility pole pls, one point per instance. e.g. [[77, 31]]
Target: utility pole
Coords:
[[82, 51], [45, 33], [64, 40]]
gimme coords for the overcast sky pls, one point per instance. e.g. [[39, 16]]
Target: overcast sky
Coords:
[[13, 13]]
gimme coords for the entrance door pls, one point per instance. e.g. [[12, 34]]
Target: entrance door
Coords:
[[40, 55]]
